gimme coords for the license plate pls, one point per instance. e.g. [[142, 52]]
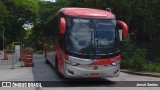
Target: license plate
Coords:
[[95, 75]]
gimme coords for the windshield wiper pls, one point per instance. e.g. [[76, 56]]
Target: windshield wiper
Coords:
[[91, 30], [97, 40], [103, 47], [91, 41]]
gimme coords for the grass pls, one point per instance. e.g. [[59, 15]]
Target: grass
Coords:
[[149, 67]]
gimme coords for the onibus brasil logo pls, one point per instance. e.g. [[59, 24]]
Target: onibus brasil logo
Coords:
[[21, 84]]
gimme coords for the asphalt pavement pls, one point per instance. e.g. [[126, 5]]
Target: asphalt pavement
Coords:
[[43, 72]]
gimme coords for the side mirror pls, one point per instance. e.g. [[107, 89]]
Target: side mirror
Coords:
[[62, 25], [124, 28]]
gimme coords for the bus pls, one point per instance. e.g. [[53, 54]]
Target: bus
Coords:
[[84, 43]]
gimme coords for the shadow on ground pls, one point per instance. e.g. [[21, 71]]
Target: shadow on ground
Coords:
[[48, 76]]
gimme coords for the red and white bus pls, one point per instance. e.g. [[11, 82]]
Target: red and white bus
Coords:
[[84, 42]]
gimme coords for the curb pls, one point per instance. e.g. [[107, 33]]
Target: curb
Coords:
[[151, 74]]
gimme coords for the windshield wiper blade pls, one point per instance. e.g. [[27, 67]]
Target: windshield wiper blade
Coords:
[[99, 41], [97, 44], [91, 41], [91, 30]]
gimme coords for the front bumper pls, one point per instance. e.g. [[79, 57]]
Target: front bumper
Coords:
[[79, 72]]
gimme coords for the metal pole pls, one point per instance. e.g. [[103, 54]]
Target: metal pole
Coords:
[[20, 49], [3, 38], [3, 42], [16, 57], [12, 61], [20, 58]]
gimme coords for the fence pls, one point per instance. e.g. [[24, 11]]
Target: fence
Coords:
[[9, 58], [153, 53], [152, 50]]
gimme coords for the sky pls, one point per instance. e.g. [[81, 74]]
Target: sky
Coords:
[[50, 0]]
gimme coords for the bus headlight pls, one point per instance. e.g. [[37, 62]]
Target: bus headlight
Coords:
[[71, 63], [116, 63]]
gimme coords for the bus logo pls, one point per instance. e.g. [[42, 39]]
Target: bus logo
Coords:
[[95, 67], [6, 84]]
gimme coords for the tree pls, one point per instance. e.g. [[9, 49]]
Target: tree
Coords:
[[3, 17], [45, 14], [46, 10], [20, 12], [3, 14]]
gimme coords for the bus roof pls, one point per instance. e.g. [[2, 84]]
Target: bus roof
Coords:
[[87, 12]]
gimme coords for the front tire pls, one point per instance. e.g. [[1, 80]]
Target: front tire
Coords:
[[47, 62], [58, 73], [45, 55]]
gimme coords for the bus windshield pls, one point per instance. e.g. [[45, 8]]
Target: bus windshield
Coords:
[[91, 36]]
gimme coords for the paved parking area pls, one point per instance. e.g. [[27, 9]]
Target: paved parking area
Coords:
[[44, 72]]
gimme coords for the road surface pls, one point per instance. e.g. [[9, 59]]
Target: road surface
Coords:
[[44, 72]]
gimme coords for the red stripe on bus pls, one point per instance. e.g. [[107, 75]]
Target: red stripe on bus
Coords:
[[106, 61]]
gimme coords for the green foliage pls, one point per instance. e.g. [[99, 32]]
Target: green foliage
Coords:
[[26, 9], [157, 68], [20, 12], [128, 44], [3, 14], [46, 11], [138, 59], [152, 67], [38, 52], [135, 59], [149, 67], [140, 15]]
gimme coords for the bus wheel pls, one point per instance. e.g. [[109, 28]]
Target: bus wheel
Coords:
[[47, 62], [58, 73], [56, 64]]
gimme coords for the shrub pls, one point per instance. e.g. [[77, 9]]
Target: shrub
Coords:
[[136, 61], [149, 67], [125, 64], [38, 52], [157, 68]]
